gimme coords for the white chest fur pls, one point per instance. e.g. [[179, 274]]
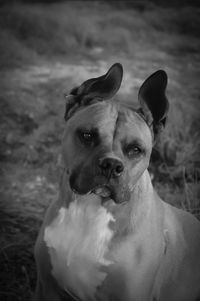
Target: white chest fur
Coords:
[[78, 240]]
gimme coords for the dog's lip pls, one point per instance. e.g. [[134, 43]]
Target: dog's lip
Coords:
[[103, 191]]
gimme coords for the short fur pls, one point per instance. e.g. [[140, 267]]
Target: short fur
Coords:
[[109, 237]]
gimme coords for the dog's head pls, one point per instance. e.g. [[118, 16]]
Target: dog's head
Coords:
[[107, 144]]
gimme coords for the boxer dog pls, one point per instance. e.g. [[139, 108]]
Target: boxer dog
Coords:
[[109, 237]]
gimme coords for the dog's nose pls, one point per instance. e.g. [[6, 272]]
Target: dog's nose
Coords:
[[111, 166]]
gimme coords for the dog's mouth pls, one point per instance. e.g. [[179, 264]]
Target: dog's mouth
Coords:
[[103, 191], [106, 190]]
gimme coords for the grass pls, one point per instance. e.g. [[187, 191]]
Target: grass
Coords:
[[31, 32], [31, 117]]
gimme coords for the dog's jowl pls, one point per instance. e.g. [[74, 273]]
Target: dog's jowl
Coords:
[[109, 237]]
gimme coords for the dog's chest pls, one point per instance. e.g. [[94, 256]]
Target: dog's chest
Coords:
[[78, 241]]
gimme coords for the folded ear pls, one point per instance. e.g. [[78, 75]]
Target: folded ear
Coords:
[[153, 101], [97, 89]]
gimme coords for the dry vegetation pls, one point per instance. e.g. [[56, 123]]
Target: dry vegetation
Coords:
[[44, 51]]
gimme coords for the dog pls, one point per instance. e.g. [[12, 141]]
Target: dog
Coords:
[[109, 236]]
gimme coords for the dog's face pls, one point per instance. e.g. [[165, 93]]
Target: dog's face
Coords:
[[106, 149], [107, 145]]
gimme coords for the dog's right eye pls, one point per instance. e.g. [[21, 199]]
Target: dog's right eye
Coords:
[[86, 137]]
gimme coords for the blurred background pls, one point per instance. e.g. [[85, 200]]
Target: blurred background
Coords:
[[47, 48]]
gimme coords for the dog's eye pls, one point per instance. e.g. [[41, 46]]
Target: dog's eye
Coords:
[[133, 151], [86, 137]]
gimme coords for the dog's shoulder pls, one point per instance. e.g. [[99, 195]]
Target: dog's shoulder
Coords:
[[180, 265], [182, 233], [183, 225]]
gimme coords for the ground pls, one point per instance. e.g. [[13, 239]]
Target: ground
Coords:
[[45, 54]]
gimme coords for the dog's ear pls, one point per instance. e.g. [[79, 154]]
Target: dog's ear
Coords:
[[97, 89], [153, 101]]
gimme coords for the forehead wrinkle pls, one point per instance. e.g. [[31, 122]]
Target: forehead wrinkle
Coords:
[[100, 115], [107, 123], [116, 126]]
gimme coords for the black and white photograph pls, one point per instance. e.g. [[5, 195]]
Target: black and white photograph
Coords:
[[99, 150]]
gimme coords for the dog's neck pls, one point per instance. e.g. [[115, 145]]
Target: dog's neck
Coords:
[[128, 216], [142, 199]]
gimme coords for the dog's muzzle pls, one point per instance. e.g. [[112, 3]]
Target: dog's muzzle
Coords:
[[104, 182], [111, 167]]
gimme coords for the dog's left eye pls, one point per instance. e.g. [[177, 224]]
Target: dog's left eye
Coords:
[[133, 151]]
